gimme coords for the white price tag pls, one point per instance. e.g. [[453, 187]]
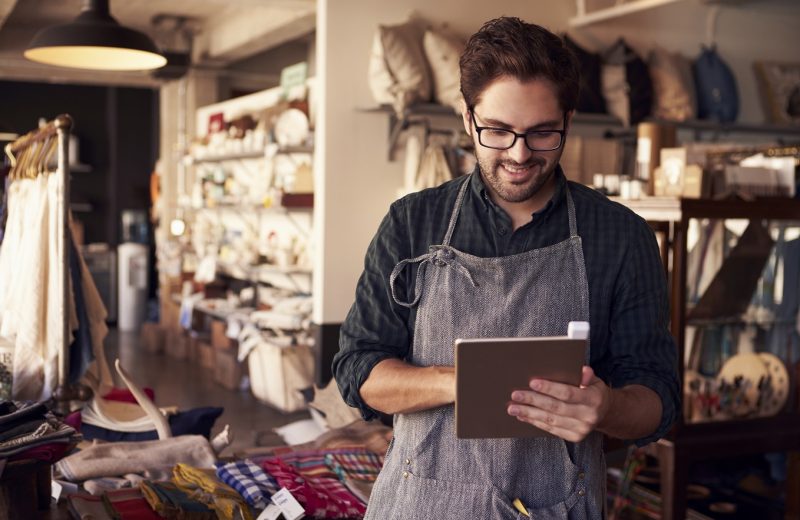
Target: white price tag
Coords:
[[55, 490], [270, 513], [290, 507]]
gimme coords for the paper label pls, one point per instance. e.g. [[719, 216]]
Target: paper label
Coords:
[[289, 506], [55, 490], [270, 513]]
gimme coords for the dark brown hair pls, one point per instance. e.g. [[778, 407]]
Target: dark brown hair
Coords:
[[508, 46]]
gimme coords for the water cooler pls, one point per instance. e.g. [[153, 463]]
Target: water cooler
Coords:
[[132, 257]]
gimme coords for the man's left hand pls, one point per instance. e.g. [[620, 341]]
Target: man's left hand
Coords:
[[566, 411]]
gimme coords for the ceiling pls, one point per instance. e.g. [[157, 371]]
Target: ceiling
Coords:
[[220, 31]]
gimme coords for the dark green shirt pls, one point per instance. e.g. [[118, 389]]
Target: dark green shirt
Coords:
[[630, 342]]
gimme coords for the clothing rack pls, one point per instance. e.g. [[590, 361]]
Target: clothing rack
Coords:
[[30, 156]]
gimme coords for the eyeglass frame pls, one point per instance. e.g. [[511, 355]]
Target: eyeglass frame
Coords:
[[479, 129]]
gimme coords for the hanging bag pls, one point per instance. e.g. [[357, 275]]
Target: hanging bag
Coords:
[[717, 95]]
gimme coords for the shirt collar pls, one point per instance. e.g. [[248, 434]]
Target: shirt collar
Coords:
[[478, 189]]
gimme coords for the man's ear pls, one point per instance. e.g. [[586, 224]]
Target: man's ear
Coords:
[[568, 120], [465, 116]]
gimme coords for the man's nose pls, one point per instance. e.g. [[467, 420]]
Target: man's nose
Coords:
[[519, 153]]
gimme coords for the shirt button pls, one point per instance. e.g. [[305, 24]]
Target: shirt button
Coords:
[[405, 474], [581, 475], [408, 462], [581, 492], [502, 231]]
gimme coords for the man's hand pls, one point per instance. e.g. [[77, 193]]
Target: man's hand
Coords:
[[566, 411]]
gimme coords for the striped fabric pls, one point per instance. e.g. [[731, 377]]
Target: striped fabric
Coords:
[[314, 485], [355, 464], [249, 480]]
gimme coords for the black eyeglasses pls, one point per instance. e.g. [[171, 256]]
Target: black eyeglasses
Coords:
[[503, 139]]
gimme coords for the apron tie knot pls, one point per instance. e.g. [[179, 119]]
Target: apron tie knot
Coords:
[[444, 256]]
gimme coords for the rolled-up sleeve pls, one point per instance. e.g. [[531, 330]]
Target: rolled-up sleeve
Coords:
[[643, 351], [376, 328]]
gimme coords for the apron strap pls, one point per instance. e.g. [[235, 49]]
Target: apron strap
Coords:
[[456, 210], [417, 283], [440, 256], [573, 227]]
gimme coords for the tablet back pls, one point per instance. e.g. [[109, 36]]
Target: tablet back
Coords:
[[488, 370]]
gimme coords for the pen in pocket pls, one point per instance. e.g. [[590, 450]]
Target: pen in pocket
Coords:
[[521, 508]]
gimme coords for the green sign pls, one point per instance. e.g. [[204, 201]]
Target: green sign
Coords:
[[294, 76]]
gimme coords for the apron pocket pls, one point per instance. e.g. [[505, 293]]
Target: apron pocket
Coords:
[[443, 499]]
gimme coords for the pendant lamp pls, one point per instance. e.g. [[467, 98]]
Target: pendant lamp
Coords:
[[95, 40]]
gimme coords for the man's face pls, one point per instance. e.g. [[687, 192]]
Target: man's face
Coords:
[[517, 174]]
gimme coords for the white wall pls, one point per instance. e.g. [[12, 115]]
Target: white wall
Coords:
[[355, 183]]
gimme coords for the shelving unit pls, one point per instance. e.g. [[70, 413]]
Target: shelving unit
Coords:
[[689, 442]]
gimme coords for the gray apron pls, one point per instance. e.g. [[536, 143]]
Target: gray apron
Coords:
[[428, 472]]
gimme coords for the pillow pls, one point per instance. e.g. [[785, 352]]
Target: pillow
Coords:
[[626, 81], [590, 99], [717, 96], [196, 421], [673, 87], [398, 73], [443, 54]]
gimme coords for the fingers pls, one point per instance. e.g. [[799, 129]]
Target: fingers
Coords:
[[587, 376], [567, 428]]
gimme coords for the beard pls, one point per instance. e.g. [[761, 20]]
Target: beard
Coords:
[[523, 190]]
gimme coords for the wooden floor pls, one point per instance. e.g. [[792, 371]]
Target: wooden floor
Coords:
[[187, 385]]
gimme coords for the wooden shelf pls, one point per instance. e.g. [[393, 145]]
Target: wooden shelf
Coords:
[[252, 154]]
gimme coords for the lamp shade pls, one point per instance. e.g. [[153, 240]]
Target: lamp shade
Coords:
[[95, 40]]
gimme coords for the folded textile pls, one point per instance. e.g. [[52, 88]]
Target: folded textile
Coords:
[[250, 481], [46, 433], [361, 489], [119, 416], [14, 413], [197, 421], [169, 501], [221, 497], [123, 395], [355, 464], [114, 459], [50, 452], [87, 507], [98, 486], [322, 495], [20, 429], [128, 504]]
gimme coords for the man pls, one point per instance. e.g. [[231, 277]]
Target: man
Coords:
[[511, 250]]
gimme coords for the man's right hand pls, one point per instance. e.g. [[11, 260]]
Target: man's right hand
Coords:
[[394, 386]]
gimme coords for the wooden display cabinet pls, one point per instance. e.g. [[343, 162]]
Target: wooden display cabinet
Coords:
[[715, 434]]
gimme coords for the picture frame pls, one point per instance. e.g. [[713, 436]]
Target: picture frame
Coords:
[[779, 83]]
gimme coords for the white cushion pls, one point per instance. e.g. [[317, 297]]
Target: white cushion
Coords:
[[398, 72], [443, 53]]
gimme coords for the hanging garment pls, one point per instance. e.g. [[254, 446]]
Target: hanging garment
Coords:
[[429, 473], [433, 168], [28, 298], [413, 156]]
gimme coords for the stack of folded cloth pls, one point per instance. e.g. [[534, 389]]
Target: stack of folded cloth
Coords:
[[30, 431]]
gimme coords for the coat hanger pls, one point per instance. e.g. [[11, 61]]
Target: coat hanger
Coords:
[[12, 160]]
